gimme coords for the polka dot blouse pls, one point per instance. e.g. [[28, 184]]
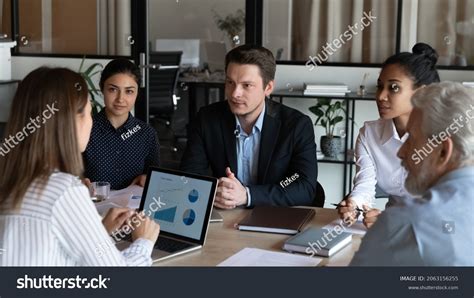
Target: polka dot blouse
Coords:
[[120, 155]]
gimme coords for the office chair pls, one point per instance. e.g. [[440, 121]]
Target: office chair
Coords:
[[162, 86], [319, 196]]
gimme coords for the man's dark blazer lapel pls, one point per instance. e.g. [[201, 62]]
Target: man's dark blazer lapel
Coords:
[[228, 127], [269, 138]]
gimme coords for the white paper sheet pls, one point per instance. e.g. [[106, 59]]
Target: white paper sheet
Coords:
[[254, 257], [126, 192], [357, 228], [121, 198]]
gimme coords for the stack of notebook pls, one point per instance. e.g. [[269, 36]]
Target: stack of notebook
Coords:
[[315, 241], [325, 89]]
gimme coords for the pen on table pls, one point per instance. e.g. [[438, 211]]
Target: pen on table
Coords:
[[357, 208]]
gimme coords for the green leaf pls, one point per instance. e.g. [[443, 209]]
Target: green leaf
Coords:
[[89, 83], [317, 111], [92, 67], [91, 71], [327, 113], [324, 101], [323, 122], [82, 64], [336, 120], [317, 120], [94, 73]]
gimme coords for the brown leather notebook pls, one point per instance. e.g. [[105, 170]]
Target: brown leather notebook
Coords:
[[281, 220]]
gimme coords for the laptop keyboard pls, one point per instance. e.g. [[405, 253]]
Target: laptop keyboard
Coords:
[[170, 245], [164, 244]]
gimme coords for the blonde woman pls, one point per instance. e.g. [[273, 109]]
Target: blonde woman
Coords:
[[46, 215]]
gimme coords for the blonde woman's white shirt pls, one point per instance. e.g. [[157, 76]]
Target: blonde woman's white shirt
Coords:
[[61, 227], [377, 163]]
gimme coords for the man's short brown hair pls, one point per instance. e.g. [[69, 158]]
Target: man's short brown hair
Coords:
[[255, 55]]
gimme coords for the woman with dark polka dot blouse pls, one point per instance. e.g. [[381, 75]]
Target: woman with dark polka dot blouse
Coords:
[[121, 147]]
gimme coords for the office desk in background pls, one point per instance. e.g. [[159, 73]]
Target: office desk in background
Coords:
[[200, 88]]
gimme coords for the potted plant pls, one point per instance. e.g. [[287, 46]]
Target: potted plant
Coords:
[[88, 75], [231, 25], [329, 114]]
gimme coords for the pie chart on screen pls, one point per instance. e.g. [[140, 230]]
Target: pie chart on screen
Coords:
[[189, 216], [193, 196]]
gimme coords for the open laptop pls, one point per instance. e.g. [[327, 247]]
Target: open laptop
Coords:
[[182, 204]]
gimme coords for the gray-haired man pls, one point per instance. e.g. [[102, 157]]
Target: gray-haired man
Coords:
[[438, 228]]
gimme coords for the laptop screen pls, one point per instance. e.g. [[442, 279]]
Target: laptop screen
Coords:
[[181, 203]]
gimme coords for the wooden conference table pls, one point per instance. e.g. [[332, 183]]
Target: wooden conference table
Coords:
[[224, 240]]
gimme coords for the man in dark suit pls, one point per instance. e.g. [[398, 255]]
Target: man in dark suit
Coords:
[[263, 152]]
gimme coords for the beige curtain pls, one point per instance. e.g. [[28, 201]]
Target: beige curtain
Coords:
[[5, 17], [448, 26], [2, 18], [316, 22], [114, 29]]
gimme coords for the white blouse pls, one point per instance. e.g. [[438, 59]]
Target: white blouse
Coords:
[[377, 163], [61, 227]]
